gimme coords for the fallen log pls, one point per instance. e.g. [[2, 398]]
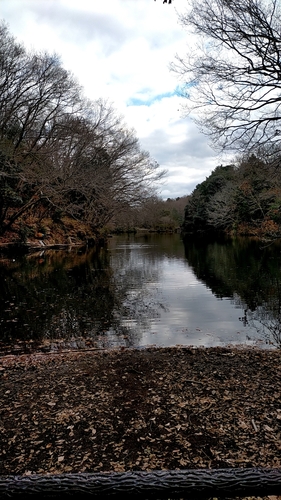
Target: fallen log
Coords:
[[197, 483]]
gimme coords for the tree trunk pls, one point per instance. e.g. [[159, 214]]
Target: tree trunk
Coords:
[[200, 483]]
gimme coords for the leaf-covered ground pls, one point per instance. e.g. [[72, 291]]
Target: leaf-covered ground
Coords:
[[169, 408]]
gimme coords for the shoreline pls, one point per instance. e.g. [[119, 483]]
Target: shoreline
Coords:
[[61, 349]]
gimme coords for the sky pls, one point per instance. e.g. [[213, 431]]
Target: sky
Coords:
[[121, 50]]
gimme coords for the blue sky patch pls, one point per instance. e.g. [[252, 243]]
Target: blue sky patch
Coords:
[[139, 101]]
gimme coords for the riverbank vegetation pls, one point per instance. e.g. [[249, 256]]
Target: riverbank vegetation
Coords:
[[63, 158], [155, 214], [242, 198]]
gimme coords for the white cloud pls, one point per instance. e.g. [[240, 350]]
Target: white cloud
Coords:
[[121, 50]]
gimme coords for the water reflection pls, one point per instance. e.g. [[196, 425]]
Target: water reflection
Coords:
[[139, 290], [55, 295], [249, 272]]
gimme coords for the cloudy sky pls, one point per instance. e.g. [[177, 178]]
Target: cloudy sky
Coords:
[[121, 50]]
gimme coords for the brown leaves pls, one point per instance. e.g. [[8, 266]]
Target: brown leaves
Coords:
[[151, 409]]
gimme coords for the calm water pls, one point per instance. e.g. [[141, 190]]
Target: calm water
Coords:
[[143, 290]]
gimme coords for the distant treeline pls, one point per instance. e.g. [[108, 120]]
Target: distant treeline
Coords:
[[154, 215]]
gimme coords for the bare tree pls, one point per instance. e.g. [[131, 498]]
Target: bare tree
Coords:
[[232, 79], [98, 166], [35, 92], [61, 150], [221, 210]]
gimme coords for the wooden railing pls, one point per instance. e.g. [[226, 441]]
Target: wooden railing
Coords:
[[197, 483]]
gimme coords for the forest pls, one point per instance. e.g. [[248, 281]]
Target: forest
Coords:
[[69, 167], [242, 198]]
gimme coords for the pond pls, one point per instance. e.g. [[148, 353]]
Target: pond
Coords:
[[144, 289]]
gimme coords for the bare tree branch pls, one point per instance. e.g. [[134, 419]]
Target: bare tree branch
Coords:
[[232, 81]]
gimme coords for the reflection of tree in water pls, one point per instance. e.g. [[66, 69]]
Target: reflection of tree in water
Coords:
[[55, 296], [247, 272], [266, 318], [136, 275], [270, 328], [60, 299]]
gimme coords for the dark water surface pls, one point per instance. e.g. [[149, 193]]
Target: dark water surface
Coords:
[[143, 290]]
